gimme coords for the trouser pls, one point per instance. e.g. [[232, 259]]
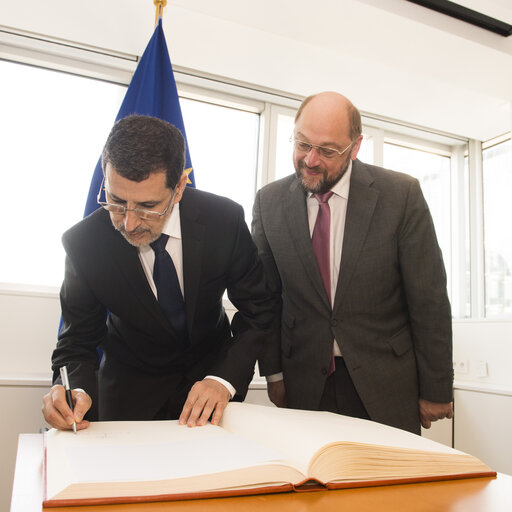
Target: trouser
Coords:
[[340, 395]]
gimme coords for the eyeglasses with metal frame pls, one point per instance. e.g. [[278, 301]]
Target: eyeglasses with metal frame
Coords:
[[119, 209], [323, 151]]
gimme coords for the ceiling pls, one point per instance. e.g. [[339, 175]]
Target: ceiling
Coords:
[[498, 9], [407, 62]]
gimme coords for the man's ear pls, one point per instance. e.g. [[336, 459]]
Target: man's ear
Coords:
[[356, 147], [180, 187]]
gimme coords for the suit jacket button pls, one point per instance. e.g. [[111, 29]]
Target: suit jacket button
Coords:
[[324, 371], [334, 322]]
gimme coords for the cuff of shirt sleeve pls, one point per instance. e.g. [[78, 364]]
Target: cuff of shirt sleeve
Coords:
[[225, 383], [276, 377]]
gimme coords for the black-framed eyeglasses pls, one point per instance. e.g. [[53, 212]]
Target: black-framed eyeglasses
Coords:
[[323, 151], [119, 209]]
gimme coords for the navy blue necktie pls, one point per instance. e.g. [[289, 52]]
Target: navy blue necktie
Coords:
[[168, 287]]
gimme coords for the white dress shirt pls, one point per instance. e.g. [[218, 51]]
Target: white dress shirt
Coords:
[[338, 207], [172, 227]]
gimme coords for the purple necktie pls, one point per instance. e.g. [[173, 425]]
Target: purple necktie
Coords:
[[322, 247]]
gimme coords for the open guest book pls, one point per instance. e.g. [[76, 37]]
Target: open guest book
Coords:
[[255, 450]]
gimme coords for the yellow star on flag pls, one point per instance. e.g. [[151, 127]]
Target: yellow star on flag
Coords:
[[187, 172]]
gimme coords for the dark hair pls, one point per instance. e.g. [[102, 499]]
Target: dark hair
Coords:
[[140, 145], [354, 117]]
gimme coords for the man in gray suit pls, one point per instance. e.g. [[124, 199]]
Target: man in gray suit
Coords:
[[365, 320]]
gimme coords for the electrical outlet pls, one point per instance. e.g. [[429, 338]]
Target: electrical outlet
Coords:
[[461, 365]]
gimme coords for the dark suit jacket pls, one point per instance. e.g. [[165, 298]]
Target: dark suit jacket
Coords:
[[391, 315], [143, 359]]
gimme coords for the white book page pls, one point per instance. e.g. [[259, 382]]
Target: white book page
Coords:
[[146, 451], [300, 434]]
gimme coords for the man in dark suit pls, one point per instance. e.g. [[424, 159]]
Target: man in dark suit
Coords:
[[365, 320], [161, 360]]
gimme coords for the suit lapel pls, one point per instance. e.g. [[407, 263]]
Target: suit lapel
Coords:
[[360, 208], [192, 239], [298, 225], [127, 259]]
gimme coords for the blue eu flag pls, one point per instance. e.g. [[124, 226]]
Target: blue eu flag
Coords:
[[152, 91]]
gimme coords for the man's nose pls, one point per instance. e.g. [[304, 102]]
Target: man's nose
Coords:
[[311, 159], [131, 221]]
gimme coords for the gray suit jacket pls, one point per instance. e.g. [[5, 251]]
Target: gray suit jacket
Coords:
[[391, 315]]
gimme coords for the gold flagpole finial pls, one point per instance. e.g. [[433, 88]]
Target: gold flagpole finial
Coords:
[[160, 4]]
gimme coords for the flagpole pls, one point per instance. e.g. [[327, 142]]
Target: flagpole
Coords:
[[160, 4]]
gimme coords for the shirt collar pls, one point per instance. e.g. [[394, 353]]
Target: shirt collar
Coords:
[[172, 226]]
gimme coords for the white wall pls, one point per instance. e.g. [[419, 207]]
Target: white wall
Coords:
[[21, 413], [29, 322], [483, 426], [483, 341], [28, 331], [483, 403]]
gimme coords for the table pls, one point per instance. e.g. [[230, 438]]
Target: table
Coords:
[[468, 495]]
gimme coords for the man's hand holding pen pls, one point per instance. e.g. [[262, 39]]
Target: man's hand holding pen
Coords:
[[58, 413], [207, 398]]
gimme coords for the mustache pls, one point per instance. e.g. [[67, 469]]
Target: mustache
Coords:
[[316, 168], [137, 230]]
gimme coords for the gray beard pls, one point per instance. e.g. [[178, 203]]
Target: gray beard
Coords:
[[325, 184], [123, 232]]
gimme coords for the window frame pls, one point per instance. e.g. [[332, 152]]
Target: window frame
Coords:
[[507, 137], [467, 185]]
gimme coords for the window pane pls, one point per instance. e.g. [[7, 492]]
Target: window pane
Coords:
[[433, 173], [497, 183], [284, 148], [53, 129], [366, 150], [224, 148]]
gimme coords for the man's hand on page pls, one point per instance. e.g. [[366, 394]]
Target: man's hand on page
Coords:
[[206, 397]]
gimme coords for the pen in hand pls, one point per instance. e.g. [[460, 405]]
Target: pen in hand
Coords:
[[69, 398]]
